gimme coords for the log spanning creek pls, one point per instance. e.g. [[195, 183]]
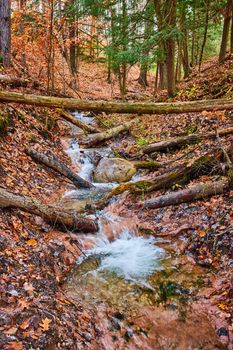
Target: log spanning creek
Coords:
[[141, 292]]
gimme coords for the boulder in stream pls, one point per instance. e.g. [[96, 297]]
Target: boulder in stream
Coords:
[[114, 170]]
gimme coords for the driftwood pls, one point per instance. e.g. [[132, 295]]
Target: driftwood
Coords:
[[94, 139], [179, 176], [71, 118], [117, 107], [52, 214], [17, 82], [193, 193], [178, 142], [53, 163]]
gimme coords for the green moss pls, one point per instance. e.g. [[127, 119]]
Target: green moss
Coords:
[[4, 121], [147, 164], [142, 185], [142, 141], [230, 177]]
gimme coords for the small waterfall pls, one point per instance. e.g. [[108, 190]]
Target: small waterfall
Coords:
[[129, 256], [117, 245]]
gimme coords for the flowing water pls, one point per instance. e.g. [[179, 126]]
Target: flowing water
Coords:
[[139, 292]]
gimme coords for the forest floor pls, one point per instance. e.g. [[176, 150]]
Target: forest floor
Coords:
[[35, 258]]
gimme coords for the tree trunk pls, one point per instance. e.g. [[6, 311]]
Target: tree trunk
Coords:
[[226, 28], [55, 164], [149, 13], [5, 32], [71, 119], [51, 214], [232, 31], [93, 139], [207, 5], [193, 193], [117, 107], [170, 49], [178, 142], [184, 42], [143, 75]]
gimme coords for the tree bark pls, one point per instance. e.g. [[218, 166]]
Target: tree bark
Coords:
[[55, 164], [117, 107], [52, 214], [178, 142], [193, 193], [225, 33], [207, 6], [5, 31], [94, 139], [170, 49], [232, 31]]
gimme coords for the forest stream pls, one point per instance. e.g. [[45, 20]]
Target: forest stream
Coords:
[[142, 292]]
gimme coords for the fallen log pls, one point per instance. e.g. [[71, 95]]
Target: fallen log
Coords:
[[71, 119], [178, 142], [94, 139], [179, 176], [193, 193], [52, 214], [146, 164], [53, 163], [117, 107], [17, 82]]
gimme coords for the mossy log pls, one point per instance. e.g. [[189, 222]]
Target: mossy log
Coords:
[[199, 191], [117, 107], [146, 164], [94, 139], [52, 214], [53, 163], [178, 142], [71, 119], [179, 176]]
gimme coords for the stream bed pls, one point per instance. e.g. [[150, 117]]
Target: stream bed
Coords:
[[141, 292]]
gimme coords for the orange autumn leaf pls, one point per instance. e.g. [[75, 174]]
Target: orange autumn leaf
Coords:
[[23, 303], [201, 234], [45, 324], [223, 307], [15, 346], [25, 324], [31, 242]]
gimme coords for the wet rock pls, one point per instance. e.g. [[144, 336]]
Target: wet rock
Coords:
[[223, 332], [114, 170]]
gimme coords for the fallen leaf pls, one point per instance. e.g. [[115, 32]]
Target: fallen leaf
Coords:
[[28, 287], [45, 324], [25, 324], [201, 234], [31, 242], [23, 303], [11, 331], [14, 346]]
